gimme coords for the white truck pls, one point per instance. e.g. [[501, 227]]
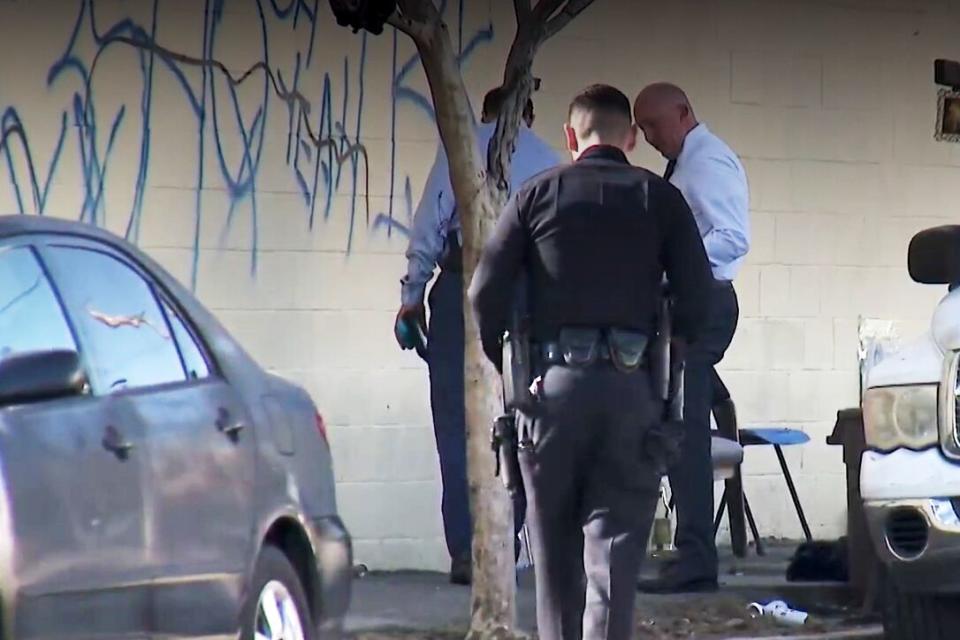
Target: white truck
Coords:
[[910, 469]]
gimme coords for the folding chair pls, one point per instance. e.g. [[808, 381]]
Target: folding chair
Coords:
[[779, 437]]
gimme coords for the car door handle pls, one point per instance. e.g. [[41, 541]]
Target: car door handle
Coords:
[[114, 442], [231, 429], [228, 427]]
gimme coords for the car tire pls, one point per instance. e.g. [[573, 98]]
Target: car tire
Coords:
[[919, 616], [276, 600]]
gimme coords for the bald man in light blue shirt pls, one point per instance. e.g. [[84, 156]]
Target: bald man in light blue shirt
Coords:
[[713, 181], [435, 241]]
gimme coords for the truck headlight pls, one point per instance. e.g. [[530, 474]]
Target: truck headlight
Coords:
[[895, 417], [949, 406]]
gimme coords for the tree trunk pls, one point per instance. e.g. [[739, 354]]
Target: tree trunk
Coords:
[[518, 80], [480, 198], [494, 586]]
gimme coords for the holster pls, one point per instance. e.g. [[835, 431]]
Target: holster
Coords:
[[667, 365], [517, 369], [663, 440], [517, 376], [504, 440]]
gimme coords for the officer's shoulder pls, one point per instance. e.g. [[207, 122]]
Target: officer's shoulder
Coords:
[[644, 173], [540, 179], [653, 182]]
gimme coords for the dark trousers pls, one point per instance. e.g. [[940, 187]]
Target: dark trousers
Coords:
[[691, 476], [592, 493], [445, 361]]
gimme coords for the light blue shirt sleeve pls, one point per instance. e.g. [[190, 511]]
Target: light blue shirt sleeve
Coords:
[[715, 187], [428, 233], [436, 217]]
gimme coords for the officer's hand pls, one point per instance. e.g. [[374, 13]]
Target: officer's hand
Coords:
[[413, 314]]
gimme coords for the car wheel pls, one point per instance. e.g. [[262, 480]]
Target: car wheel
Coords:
[[276, 607], [918, 616]]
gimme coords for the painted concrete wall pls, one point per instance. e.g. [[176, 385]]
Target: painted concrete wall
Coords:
[[284, 199]]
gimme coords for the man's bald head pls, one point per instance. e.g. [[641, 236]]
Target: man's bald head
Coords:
[[600, 114], [662, 94], [664, 114]]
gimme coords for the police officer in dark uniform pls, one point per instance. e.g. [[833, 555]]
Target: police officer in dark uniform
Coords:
[[594, 240]]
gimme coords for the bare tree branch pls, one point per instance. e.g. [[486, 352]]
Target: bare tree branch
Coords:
[[570, 11], [419, 19], [522, 9], [518, 85], [416, 30], [546, 8], [423, 11]]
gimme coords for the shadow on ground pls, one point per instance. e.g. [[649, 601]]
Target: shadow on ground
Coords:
[[408, 605]]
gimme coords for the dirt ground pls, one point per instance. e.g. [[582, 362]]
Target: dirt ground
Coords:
[[714, 618], [423, 605]]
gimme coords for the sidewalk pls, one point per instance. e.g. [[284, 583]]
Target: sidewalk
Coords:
[[424, 605]]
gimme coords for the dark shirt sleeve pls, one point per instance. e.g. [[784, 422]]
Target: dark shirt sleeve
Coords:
[[685, 261], [492, 290]]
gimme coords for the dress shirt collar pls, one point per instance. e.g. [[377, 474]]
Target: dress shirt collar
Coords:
[[604, 152], [693, 138]]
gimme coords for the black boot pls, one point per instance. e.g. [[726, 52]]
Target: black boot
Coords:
[[461, 569], [671, 580]]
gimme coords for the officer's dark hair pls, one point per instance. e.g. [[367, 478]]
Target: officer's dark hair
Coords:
[[608, 111], [493, 101]]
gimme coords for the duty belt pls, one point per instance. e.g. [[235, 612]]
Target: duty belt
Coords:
[[584, 347]]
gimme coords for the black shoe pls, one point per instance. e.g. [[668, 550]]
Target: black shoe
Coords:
[[461, 569], [668, 585]]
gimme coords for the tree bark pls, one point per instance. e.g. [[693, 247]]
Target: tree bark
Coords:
[[493, 612], [518, 80], [480, 196]]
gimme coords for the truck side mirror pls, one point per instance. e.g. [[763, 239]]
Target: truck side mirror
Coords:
[[35, 376], [934, 255]]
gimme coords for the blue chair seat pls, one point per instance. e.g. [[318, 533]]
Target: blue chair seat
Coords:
[[781, 436]]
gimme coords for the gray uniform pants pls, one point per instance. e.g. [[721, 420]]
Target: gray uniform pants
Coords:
[[592, 493]]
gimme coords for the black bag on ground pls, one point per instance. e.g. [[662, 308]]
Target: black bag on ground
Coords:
[[820, 561]]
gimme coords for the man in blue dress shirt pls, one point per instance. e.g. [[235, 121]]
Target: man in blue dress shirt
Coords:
[[435, 241], [712, 179]]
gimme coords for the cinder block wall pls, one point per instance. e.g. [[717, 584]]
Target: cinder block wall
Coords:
[[299, 249]]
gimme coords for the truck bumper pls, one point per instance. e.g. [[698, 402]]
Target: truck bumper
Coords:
[[905, 474], [919, 542]]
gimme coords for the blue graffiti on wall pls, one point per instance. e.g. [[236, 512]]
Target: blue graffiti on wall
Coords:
[[403, 93], [323, 145]]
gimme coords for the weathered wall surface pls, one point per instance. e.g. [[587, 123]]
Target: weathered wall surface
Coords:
[[283, 197]]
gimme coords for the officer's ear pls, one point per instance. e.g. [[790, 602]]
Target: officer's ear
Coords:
[[631, 141], [571, 136]]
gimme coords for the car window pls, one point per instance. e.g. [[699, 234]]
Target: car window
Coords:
[[193, 360], [125, 335], [31, 318]]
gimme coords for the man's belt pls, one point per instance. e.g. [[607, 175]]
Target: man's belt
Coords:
[[583, 347], [452, 257]]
